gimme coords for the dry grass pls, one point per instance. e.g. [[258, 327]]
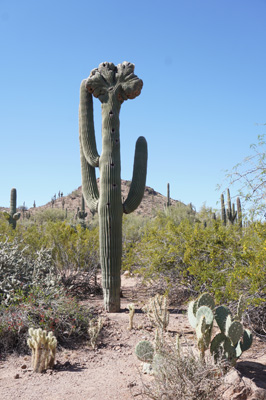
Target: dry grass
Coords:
[[183, 375]]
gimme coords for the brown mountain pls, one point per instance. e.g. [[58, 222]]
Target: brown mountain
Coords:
[[151, 201]]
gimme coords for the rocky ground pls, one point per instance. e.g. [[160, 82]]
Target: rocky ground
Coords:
[[112, 372]]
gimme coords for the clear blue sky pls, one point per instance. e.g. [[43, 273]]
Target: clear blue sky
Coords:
[[203, 64]]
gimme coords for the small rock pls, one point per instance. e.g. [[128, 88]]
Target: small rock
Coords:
[[24, 366], [16, 376]]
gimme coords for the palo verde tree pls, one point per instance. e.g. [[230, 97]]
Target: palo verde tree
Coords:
[[250, 176], [111, 85]]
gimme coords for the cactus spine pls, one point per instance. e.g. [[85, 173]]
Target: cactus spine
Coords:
[[12, 216], [112, 85]]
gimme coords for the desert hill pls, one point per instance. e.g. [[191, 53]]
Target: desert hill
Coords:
[[151, 201]]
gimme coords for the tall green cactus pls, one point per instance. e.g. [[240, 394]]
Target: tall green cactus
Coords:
[[239, 212], [111, 85], [223, 210], [82, 214], [12, 216], [231, 212], [168, 195]]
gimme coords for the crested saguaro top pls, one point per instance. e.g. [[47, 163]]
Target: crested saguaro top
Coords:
[[120, 81]]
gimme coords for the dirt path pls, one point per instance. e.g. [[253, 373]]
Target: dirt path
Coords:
[[109, 373]]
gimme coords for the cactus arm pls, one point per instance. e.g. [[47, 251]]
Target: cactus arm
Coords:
[[89, 183], [86, 127], [16, 216], [137, 186], [6, 215]]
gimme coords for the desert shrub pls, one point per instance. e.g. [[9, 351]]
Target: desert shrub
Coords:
[[226, 261], [74, 251], [180, 374], [178, 212], [132, 232], [61, 314], [49, 214], [19, 272]]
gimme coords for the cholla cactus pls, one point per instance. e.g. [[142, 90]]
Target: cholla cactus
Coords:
[[95, 326], [12, 216], [157, 311], [131, 308], [43, 348]]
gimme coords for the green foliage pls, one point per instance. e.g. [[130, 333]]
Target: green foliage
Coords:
[[50, 215], [225, 261]]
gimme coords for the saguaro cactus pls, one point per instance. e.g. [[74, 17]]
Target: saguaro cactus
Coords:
[[239, 212], [223, 210], [12, 216], [231, 212], [111, 85], [168, 195], [81, 213]]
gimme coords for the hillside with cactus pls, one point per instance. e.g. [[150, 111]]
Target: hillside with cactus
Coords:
[[152, 201]]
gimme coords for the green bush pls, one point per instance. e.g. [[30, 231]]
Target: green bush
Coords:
[[19, 272], [225, 261]]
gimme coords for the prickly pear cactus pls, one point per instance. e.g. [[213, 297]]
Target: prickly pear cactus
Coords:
[[144, 351], [200, 316], [12, 216], [233, 338], [112, 85]]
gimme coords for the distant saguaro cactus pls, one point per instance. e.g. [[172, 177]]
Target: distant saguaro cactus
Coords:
[[12, 216], [168, 195], [230, 212], [111, 85], [239, 212], [223, 212], [82, 214]]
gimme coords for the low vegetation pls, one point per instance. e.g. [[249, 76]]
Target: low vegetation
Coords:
[[47, 266]]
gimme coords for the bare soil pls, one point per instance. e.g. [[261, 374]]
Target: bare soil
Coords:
[[111, 372]]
